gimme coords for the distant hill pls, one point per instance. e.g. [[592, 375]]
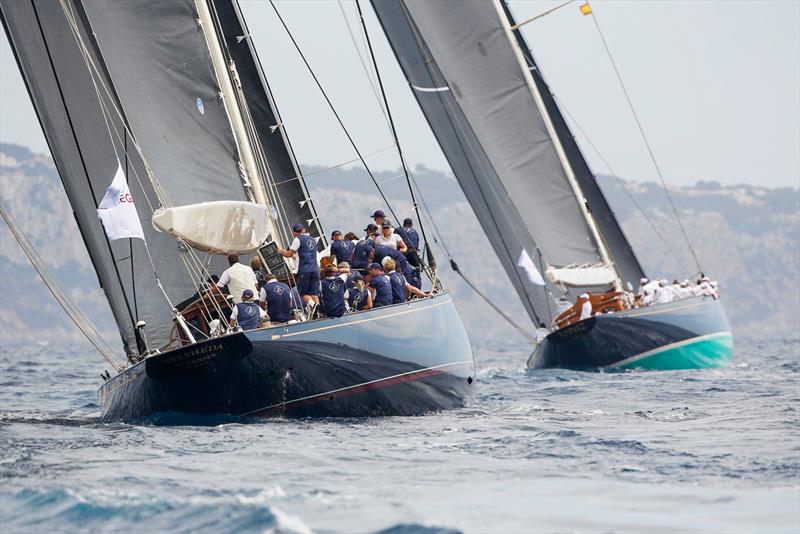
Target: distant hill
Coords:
[[747, 237]]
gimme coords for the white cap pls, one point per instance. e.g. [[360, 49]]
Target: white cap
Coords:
[[584, 296], [643, 281]]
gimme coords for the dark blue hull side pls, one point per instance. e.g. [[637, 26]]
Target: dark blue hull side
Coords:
[[692, 333], [397, 360]]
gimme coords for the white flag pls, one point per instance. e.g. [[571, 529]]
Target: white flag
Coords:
[[117, 211], [526, 263]]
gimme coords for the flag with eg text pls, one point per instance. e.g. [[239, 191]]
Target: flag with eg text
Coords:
[[117, 211]]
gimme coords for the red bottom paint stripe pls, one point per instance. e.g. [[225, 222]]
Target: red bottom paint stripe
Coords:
[[360, 388]]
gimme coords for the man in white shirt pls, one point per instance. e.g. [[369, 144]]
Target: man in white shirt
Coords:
[[684, 292], [664, 293], [649, 293], [586, 307], [389, 238], [540, 333], [238, 277], [642, 284]]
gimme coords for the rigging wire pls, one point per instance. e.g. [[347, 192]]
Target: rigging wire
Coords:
[[622, 185], [163, 200], [74, 313], [363, 63], [391, 122], [342, 164], [332, 108], [481, 294], [384, 106], [361, 159], [646, 142]]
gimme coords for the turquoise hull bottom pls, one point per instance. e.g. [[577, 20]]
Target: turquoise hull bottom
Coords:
[[689, 334], [704, 352]]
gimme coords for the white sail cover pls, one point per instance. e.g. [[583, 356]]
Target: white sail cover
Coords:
[[582, 276], [219, 227]]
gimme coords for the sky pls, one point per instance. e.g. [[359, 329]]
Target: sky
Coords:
[[716, 86]]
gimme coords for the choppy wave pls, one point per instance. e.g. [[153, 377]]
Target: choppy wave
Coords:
[[551, 450]]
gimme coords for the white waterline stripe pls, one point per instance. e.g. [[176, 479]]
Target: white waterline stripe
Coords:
[[667, 347], [349, 323], [334, 391], [636, 313]]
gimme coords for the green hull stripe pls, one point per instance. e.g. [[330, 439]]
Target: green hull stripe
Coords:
[[703, 352]]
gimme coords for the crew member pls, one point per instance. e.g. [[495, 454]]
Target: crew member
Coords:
[[380, 283], [334, 293], [586, 307], [389, 238], [664, 293], [305, 247], [540, 333], [237, 277], [360, 297], [383, 251], [684, 291], [364, 250], [348, 277], [410, 237], [258, 270], [400, 285], [276, 298], [649, 293], [378, 217], [642, 284], [350, 236], [341, 248], [246, 312]]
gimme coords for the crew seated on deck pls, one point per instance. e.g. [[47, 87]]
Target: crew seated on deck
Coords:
[[381, 285], [247, 313], [334, 293], [276, 298], [400, 286]]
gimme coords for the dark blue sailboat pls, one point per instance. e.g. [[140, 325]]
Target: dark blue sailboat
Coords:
[[533, 192], [172, 94]]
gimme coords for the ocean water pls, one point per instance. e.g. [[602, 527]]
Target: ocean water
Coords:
[[545, 451]]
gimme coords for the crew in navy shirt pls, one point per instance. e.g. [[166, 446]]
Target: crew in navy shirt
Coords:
[[305, 247], [382, 286], [341, 248]]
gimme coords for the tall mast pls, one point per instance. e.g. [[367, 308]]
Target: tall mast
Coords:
[[562, 157], [229, 98]]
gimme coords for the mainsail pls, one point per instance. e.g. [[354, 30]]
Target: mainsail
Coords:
[[134, 83], [506, 142]]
